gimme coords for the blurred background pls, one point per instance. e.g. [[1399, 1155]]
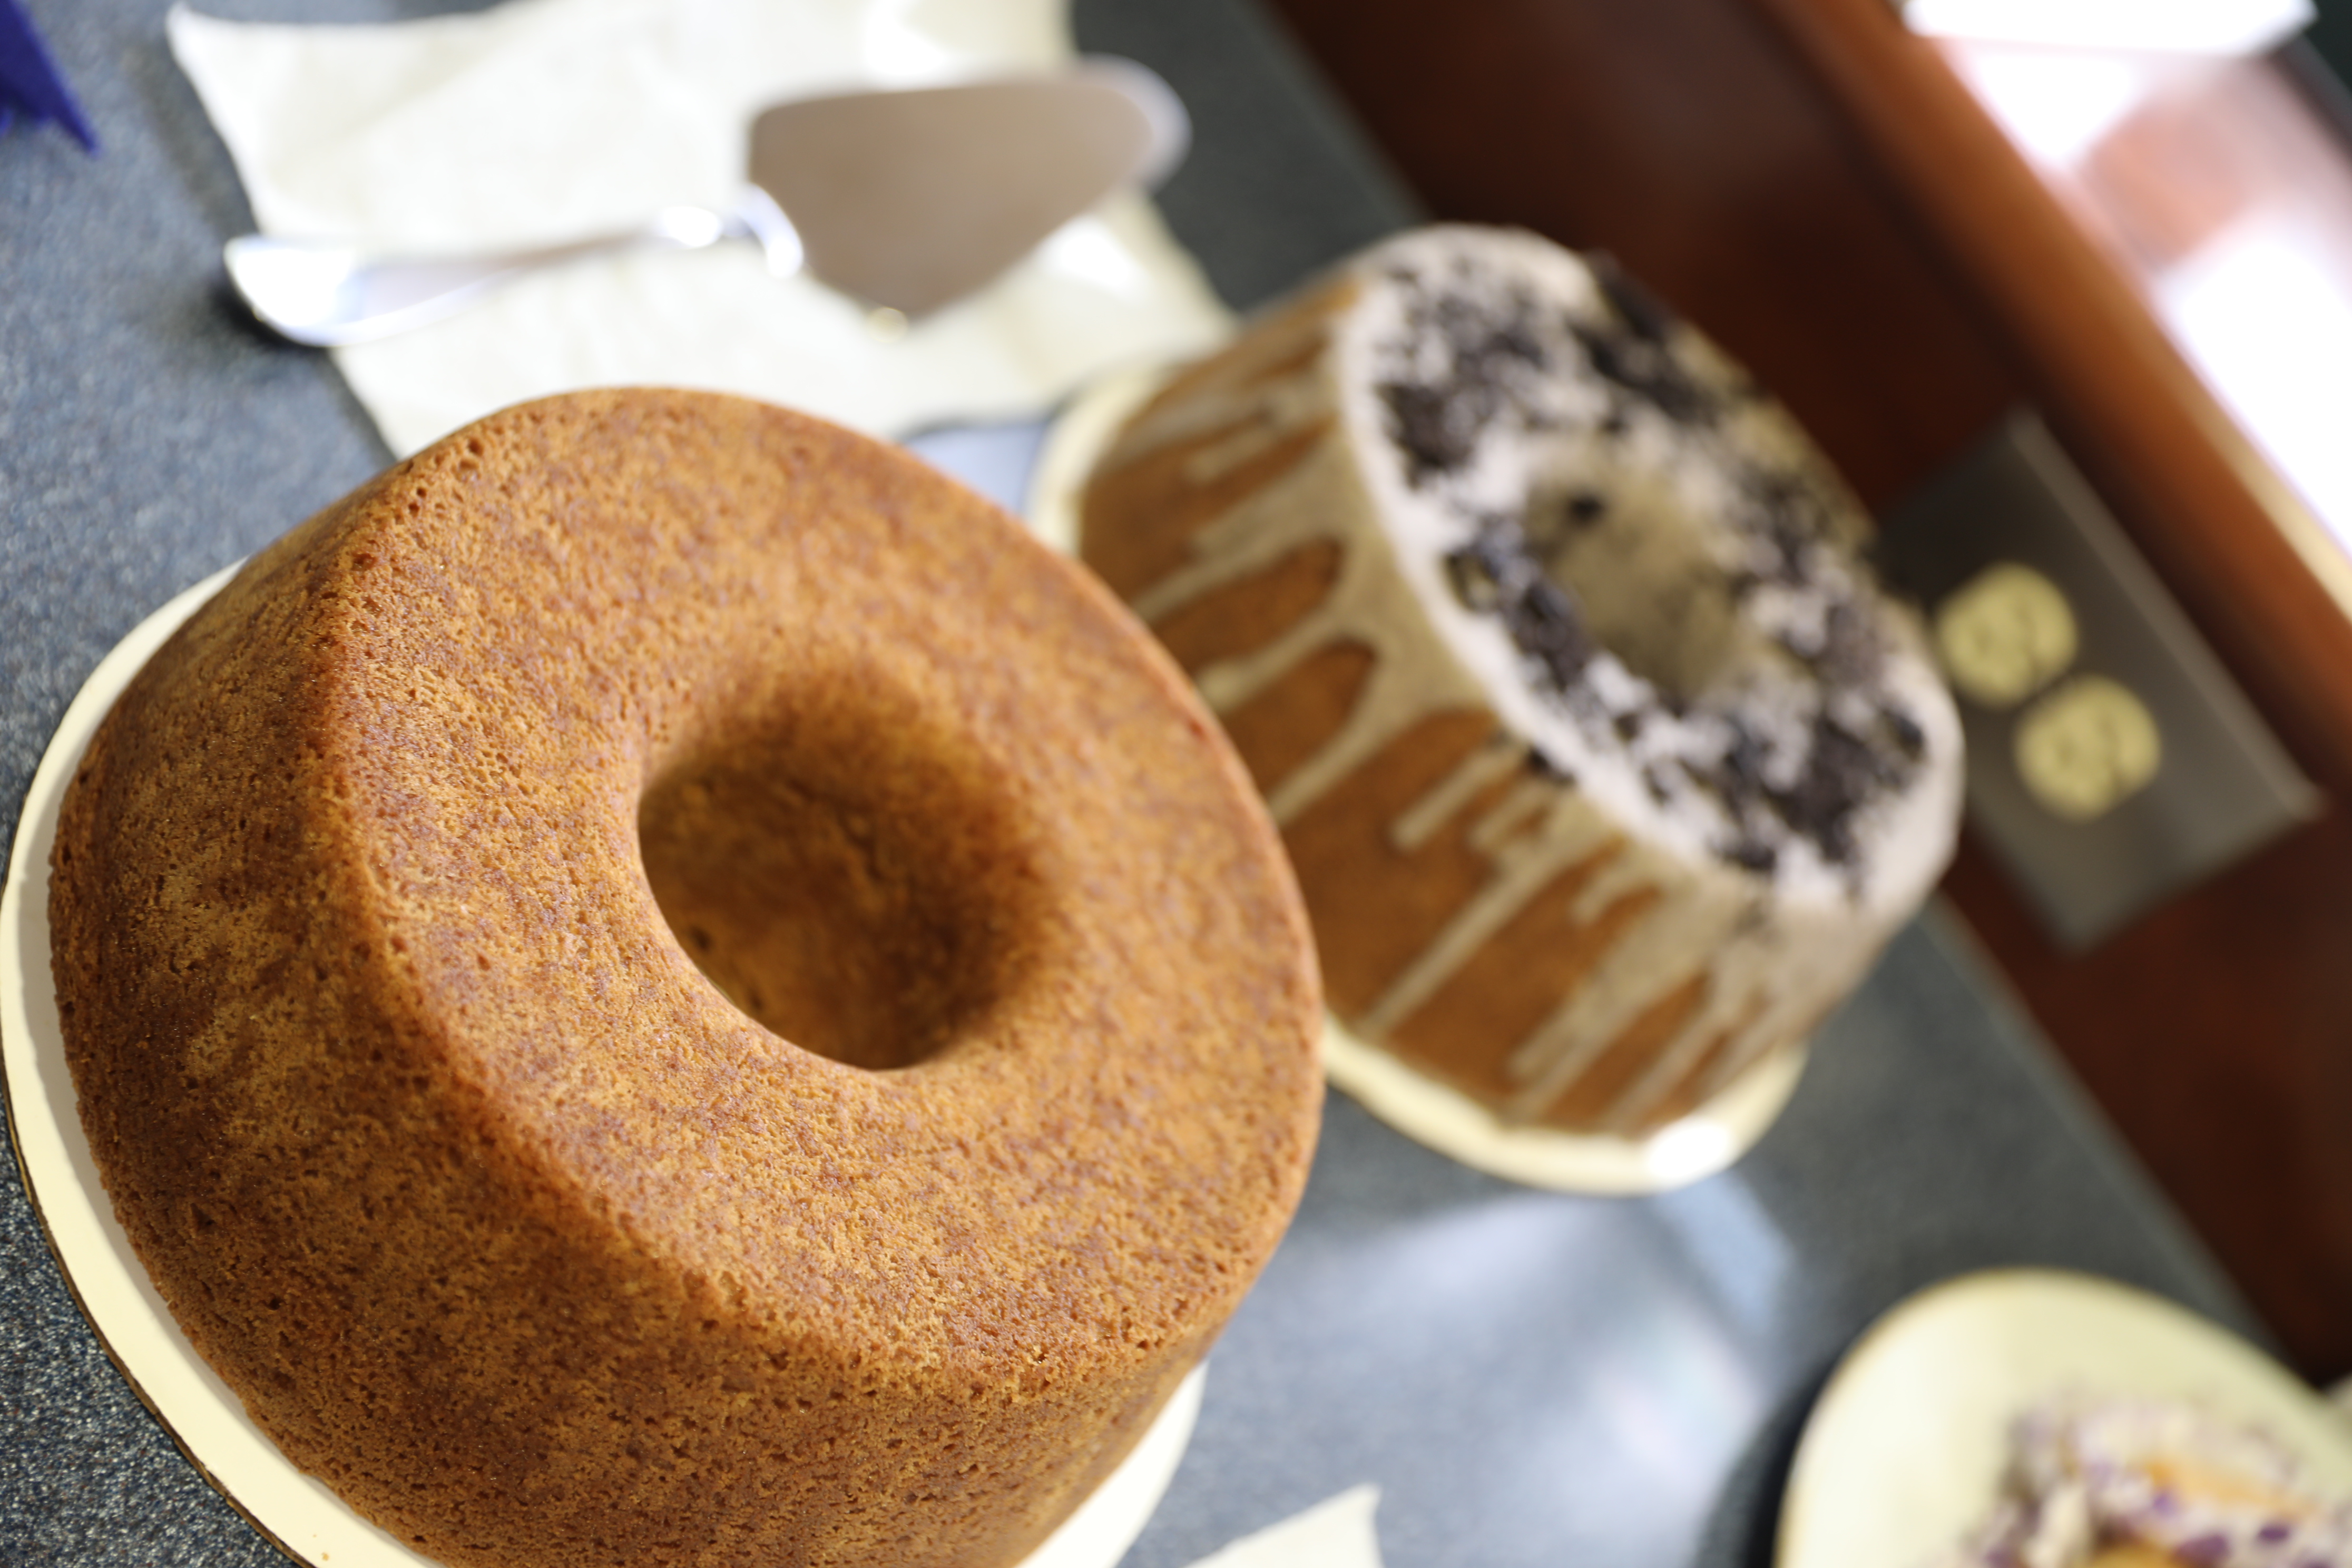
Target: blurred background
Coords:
[[1911, 239]]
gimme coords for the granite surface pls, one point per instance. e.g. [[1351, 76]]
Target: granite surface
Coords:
[[1528, 1377]]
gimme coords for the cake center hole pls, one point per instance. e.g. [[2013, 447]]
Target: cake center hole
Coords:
[[1645, 580], [865, 908]]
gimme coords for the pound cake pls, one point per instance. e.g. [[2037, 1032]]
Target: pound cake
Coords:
[[1605, 767], [659, 985]]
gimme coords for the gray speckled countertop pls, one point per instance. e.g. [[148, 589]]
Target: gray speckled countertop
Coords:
[[1530, 1378]]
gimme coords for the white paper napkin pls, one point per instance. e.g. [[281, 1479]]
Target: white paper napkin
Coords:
[[1335, 1533], [543, 119]]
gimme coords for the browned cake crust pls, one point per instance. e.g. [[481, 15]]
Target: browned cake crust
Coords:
[[497, 1214]]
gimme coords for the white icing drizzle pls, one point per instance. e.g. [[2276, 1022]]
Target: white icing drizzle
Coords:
[[1571, 834], [1289, 406], [1318, 500], [1766, 968], [1496, 758], [1232, 406], [1649, 961], [1492, 833], [1613, 881]]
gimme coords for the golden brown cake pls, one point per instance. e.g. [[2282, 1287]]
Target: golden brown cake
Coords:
[[378, 905], [1605, 767]]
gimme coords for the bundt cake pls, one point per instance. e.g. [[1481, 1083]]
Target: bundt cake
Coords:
[[1605, 767], [660, 985]]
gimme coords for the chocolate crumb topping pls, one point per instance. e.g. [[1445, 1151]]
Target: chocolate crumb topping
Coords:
[[1496, 573], [1851, 653], [1543, 765], [1789, 518], [1637, 349], [1843, 772], [1475, 367], [1435, 430], [1905, 731], [1437, 416], [1645, 312], [1648, 372]]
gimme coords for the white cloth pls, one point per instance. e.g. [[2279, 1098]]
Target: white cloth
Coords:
[[543, 119], [1335, 1533]]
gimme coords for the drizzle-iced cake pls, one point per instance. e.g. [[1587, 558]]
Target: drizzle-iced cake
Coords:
[[1605, 766]]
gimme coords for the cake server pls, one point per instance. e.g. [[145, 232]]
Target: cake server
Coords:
[[908, 199]]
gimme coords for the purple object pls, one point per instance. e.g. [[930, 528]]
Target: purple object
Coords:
[[30, 82]]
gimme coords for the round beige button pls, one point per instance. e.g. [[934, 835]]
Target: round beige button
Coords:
[[2004, 635], [2087, 747]]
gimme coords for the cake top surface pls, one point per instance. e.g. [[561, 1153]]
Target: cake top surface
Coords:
[[1655, 574]]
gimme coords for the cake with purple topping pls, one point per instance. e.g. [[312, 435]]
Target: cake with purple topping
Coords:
[[2099, 1482]]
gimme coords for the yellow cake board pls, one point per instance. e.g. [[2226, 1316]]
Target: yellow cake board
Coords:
[[1430, 1113], [1902, 1457], [297, 1512]]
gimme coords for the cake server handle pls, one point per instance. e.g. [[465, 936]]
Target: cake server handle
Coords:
[[328, 295]]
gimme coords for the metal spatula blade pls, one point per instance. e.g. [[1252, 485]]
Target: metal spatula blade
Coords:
[[909, 199], [915, 199]]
